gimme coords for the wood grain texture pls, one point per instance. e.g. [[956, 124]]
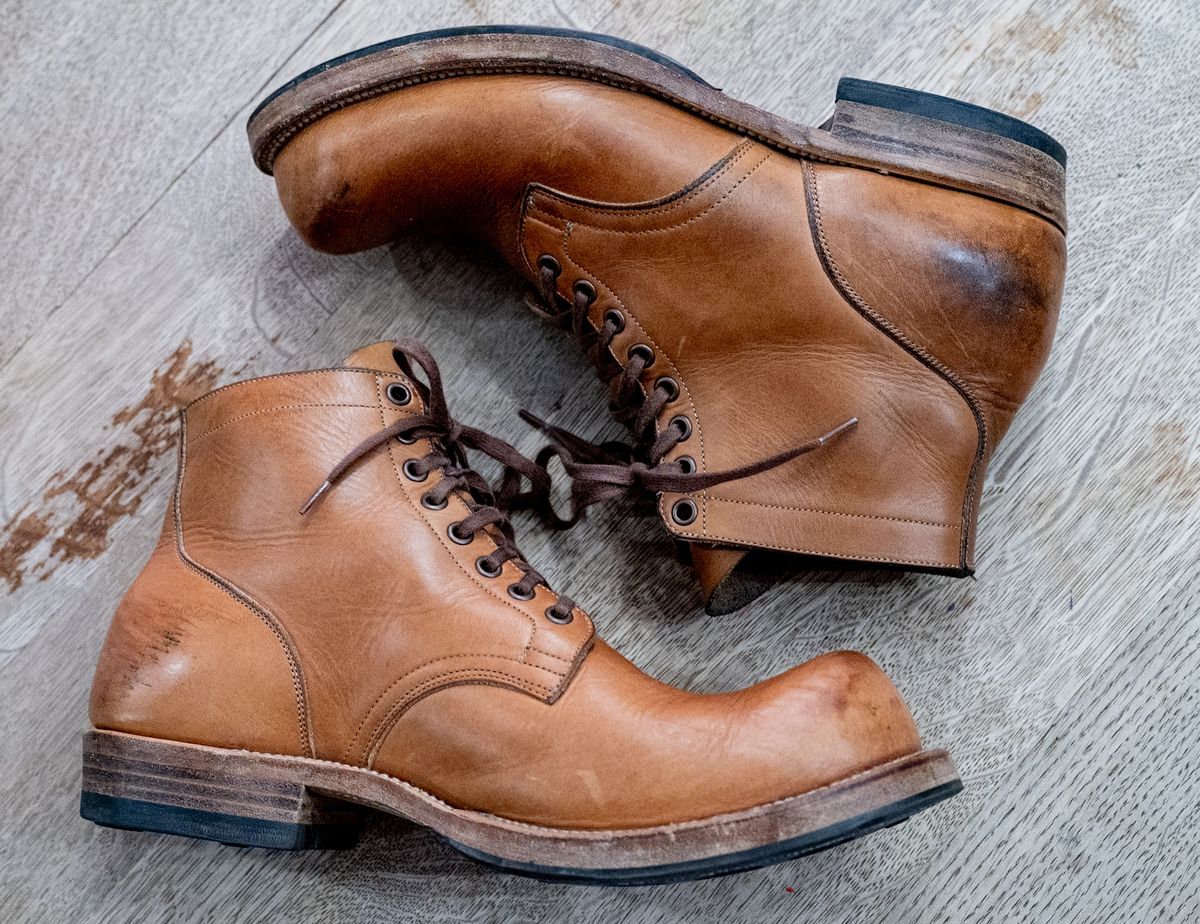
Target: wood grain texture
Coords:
[[1065, 678], [105, 107]]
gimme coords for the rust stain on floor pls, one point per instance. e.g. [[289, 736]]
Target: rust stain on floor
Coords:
[[23, 533], [78, 508], [1174, 467]]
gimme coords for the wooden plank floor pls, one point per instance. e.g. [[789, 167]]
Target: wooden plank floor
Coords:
[[145, 260]]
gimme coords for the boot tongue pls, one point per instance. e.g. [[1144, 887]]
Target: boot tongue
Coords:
[[379, 356]]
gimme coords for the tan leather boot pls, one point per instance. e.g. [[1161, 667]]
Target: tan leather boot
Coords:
[[748, 283], [271, 674]]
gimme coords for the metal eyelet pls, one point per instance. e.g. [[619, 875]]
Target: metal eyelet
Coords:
[[617, 319], [683, 512], [668, 385], [547, 262], [516, 594], [412, 472], [683, 425], [399, 394], [582, 286], [455, 536], [554, 617], [487, 567], [644, 351], [687, 464], [406, 439], [429, 503]]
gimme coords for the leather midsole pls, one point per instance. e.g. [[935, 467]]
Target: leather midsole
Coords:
[[114, 762], [1036, 182]]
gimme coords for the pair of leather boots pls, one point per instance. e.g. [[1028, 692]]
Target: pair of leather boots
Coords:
[[817, 337]]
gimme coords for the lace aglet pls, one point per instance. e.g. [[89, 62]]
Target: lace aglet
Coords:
[[838, 431], [316, 496], [536, 422]]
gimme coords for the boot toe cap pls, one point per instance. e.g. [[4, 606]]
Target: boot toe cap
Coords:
[[827, 719]]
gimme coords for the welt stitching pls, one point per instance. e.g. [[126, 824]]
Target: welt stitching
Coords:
[[724, 817], [836, 513], [639, 211], [687, 221], [851, 295], [400, 706], [270, 410], [289, 651]]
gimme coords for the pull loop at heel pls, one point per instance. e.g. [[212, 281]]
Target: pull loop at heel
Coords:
[[145, 784]]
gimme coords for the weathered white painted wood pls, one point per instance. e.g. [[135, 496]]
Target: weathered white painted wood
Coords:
[[104, 107], [1100, 820], [1063, 678]]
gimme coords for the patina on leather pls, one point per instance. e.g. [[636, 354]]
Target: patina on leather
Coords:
[[782, 295], [362, 632]]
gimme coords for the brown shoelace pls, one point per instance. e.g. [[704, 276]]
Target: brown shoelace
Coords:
[[449, 442], [601, 472]]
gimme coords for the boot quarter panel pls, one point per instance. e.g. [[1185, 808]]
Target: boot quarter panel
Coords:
[[187, 659], [383, 608], [786, 359]]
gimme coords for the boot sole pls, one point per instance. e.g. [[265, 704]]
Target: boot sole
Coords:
[[875, 126], [250, 799]]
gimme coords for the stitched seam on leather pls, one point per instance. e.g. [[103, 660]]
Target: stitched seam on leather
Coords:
[[379, 735], [851, 295], [835, 513], [545, 224], [826, 553], [526, 202], [285, 641], [438, 534], [658, 350], [680, 224], [362, 723], [639, 210], [697, 425], [270, 410], [288, 375]]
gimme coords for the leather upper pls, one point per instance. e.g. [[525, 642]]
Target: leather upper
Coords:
[[764, 365], [784, 296], [362, 633]]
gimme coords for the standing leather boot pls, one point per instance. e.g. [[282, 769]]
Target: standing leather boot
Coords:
[[748, 284], [337, 618]]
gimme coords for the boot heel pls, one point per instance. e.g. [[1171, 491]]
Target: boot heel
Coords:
[[146, 784], [950, 138]]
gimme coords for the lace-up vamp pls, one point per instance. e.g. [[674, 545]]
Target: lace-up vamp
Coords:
[[449, 441], [605, 471]]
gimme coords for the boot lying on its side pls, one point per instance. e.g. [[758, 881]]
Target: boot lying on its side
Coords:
[[337, 619], [747, 284]]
